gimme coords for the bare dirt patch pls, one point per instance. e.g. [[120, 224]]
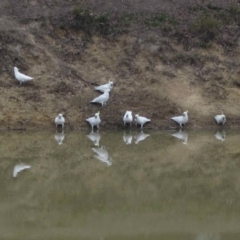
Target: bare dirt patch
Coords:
[[161, 64]]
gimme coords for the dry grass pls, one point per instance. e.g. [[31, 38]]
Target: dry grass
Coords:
[[162, 62]]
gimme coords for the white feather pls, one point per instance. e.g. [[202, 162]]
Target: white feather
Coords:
[[128, 118], [102, 99], [141, 120], [104, 87], [220, 119], [94, 121], [181, 120], [60, 120], [21, 77], [20, 167]]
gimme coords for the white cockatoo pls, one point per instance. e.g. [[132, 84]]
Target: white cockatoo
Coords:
[[102, 99], [220, 119], [141, 120], [128, 118], [21, 77], [181, 120], [104, 87], [60, 120], [94, 121]]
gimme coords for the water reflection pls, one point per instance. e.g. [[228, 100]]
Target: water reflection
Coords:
[[102, 155], [220, 135], [204, 236], [94, 137], [157, 189], [20, 167], [59, 137], [127, 138], [140, 137], [181, 135]]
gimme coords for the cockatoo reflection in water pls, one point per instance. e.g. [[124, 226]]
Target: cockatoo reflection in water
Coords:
[[59, 137], [102, 155], [94, 137], [220, 135], [127, 138], [140, 137], [181, 135], [20, 167]]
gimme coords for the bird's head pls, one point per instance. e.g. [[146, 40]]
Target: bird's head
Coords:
[[136, 116]]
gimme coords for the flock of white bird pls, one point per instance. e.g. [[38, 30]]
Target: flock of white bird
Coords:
[[102, 153], [103, 98]]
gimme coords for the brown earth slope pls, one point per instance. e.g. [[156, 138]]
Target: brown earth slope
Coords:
[[161, 63]]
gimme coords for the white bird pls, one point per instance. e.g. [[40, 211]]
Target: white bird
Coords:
[[21, 77], [94, 137], [220, 135], [60, 120], [181, 120], [104, 87], [94, 121], [127, 138], [102, 99], [20, 167], [59, 137], [141, 120], [220, 119], [128, 118], [181, 135], [140, 137], [102, 155]]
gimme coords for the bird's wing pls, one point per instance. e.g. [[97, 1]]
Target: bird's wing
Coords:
[[101, 98], [101, 87], [89, 119], [24, 77], [177, 119]]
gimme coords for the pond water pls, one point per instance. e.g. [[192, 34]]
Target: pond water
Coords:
[[120, 185]]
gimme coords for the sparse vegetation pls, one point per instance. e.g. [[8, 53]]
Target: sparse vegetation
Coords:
[[92, 23], [206, 26], [70, 47], [159, 19], [107, 24], [231, 15]]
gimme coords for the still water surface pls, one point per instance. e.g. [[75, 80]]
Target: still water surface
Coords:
[[120, 185]]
